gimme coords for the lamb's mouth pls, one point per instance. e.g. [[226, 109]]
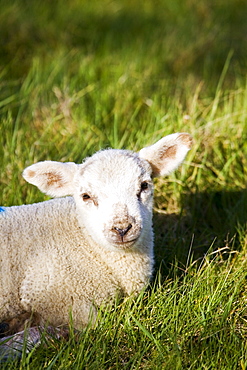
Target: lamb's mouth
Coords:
[[123, 242], [123, 237]]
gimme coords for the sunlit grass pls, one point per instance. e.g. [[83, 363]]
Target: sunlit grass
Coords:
[[76, 77]]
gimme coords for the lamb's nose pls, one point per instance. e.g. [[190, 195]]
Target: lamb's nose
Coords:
[[123, 232]]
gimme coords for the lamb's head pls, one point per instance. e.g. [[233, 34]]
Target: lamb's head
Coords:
[[113, 189], [114, 197]]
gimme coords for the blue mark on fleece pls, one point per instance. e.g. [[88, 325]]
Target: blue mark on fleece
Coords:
[[2, 209]]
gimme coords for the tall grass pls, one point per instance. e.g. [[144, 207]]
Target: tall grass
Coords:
[[78, 76]]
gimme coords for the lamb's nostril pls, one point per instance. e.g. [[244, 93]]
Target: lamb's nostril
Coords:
[[123, 232]]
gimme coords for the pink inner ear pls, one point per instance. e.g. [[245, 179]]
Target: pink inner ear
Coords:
[[169, 153], [54, 179], [30, 173]]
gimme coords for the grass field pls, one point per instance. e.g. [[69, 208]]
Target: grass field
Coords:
[[78, 76]]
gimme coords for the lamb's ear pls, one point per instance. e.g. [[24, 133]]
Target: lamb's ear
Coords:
[[167, 154], [52, 178]]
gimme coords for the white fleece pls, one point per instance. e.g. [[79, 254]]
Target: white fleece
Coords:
[[71, 254]]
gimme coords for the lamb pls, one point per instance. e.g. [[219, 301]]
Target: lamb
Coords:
[[95, 241]]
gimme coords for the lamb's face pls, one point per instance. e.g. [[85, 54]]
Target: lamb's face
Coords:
[[114, 196], [113, 189]]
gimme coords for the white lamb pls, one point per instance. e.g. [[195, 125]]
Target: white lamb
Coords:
[[73, 253]]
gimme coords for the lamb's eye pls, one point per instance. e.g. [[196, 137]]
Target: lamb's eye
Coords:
[[85, 196], [144, 186]]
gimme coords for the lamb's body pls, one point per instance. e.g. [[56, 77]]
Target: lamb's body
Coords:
[[73, 253], [52, 266]]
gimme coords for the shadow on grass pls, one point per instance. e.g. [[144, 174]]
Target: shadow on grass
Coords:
[[212, 220], [188, 35]]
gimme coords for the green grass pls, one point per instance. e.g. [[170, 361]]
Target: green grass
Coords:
[[78, 76]]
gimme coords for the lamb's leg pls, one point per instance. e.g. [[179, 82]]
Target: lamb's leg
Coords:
[[11, 347], [14, 335]]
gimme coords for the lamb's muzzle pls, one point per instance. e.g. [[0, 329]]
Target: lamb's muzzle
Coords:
[[122, 232]]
